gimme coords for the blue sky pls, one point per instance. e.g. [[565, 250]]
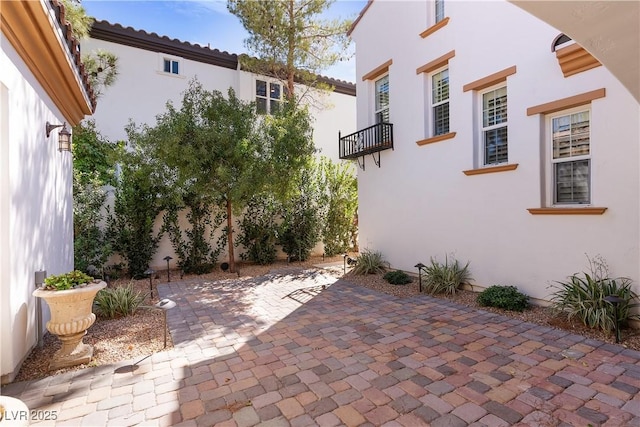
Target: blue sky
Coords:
[[203, 22]]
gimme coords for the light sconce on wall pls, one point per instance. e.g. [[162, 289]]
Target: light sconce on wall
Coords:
[[64, 136]]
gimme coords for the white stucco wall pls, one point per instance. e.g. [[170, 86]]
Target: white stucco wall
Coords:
[[36, 217], [419, 204], [142, 90]]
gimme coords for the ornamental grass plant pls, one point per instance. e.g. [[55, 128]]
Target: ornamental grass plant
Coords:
[[370, 262], [118, 302], [582, 296], [445, 278]]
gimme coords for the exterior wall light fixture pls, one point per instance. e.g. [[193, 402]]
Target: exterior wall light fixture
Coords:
[[64, 136]]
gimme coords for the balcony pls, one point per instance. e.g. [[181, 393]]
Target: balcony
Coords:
[[369, 140]]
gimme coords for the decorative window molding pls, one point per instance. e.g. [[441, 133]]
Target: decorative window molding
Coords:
[[566, 103], [491, 169], [490, 80], [568, 211], [436, 63], [378, 71], [574, 59], [437, 138], [432, 29]]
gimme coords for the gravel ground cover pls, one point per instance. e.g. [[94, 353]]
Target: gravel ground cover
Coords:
[[140, 335]]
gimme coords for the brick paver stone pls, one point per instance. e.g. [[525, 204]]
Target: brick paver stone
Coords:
[[293, 348]]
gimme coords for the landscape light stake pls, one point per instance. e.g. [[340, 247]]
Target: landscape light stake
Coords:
[[168, 258], [150, 272], [165, 305], [615, 301], [420, 266], [344, 267]]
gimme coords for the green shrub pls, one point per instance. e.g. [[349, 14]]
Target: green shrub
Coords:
[[583, 297], [397, 277], [192, 244], [369, 262], [259, 230], [120, 301], [445, 278], [340, 198], [301, 220], [505, 297], [138, 201], [70, 280]]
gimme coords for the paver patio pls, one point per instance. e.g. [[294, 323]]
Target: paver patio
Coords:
[[293, 348]]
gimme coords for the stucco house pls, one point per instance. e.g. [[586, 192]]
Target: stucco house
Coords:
[[486, 133], [154, 69], [42, 81]]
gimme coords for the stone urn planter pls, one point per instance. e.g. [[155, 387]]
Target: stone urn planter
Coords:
[[71, 316]]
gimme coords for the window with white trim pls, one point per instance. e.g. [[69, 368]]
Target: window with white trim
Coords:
[[268, 96], [570, 156], [439, 10], [495, 148], [382, 100], [171, 66], [440, 102]]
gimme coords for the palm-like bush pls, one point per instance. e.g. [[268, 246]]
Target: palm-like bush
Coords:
[[583, 297], [445, 277], [120, 301], [370, 262]]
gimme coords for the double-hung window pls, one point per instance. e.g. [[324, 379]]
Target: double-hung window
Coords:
[[440, 102], [494, 126], [571, 157], [268, 96], [382, 100]]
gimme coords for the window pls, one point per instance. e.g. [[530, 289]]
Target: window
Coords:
[[571, 157], [440, 102], [439, 10], [171, 66], [268, 101], [494, 126], [382, 100]]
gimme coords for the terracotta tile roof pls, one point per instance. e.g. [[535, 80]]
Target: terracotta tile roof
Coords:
[[73, 45]]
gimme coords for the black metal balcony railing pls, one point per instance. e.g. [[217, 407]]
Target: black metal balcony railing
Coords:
[[366, 141]]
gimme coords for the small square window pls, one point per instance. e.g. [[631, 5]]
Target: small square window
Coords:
[[171, 66]]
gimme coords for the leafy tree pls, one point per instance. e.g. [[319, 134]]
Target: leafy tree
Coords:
[[138, 201], [302, 217], [290, 39], [78, 18], [287, 143], [93, 168], [101, 66], [211, 147], [259, 229], [90, 247], [340, 199], [193, 245], [93, 154]]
